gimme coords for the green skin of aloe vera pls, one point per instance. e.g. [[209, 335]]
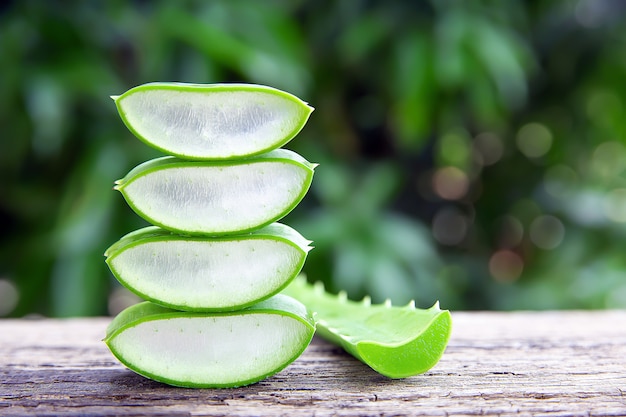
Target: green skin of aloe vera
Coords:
[[397, 342]]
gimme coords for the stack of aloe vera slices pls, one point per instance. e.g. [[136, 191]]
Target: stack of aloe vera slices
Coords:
[[215, 259]]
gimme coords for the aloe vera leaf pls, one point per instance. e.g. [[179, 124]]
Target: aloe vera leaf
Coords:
[[397, 342], [208, 273], [211, 350], [212, 121], [217, 197]]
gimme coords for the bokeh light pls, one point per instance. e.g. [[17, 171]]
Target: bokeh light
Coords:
[[506, 266], [615, 205], [450, 226], [9, 296], [454, 148], [560, 181], [488, 147], [450, 183], [534, 140], [547, 232], [608, 160]]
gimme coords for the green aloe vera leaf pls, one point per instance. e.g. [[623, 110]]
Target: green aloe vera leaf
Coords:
[[212, 121], [194, 273], [211, 350], [397, 342], [217, 197]]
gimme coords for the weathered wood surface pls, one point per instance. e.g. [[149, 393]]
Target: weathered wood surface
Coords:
[[528, 364]]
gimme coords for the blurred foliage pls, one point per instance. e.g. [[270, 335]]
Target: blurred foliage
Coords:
[[472, 152]]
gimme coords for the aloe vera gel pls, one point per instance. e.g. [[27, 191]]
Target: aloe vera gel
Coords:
[[214, 260], [219, 197], [214, 121], [198, 273], [226, 349]]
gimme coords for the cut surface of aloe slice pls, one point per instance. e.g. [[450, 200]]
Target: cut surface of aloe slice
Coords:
[[212, 121], [397, 342], [208, 273], [211, 350], [219, 197]]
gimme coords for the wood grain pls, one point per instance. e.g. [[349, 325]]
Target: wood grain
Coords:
[[504, 364]]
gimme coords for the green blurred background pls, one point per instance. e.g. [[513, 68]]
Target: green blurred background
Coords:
[[472, 152]]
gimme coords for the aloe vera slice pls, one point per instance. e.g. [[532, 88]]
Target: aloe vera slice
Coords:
[[212, 121], [211, 350], [208, 273], [219, 197], [397, 342]]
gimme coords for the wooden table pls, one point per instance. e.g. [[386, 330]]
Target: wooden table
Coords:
[[522, 363]]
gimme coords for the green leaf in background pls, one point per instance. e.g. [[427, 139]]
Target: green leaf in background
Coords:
[[212, 121], [220, 197], [205, 274], [202, 350], [397, 342], [391, 82]]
